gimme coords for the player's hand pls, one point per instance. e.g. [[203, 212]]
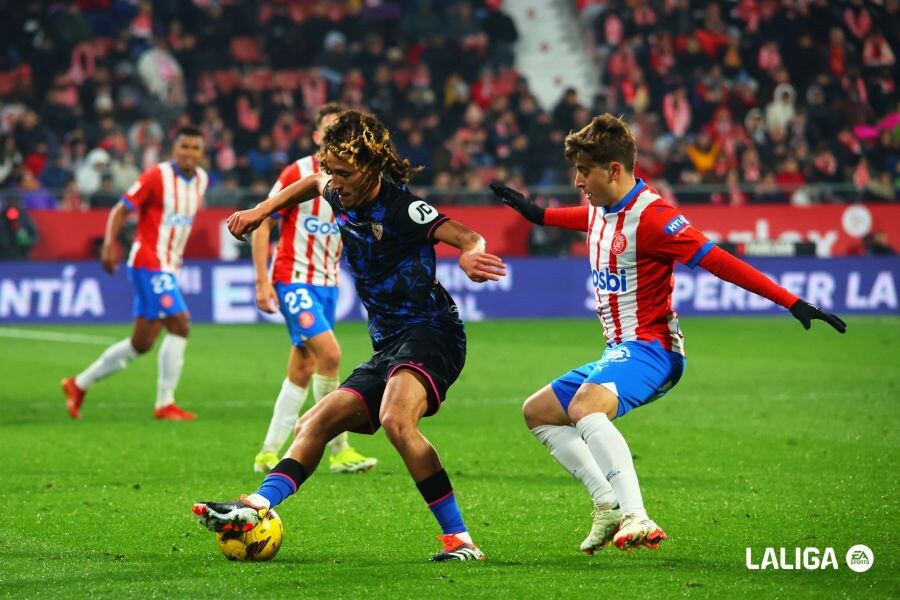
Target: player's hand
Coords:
[[109, 258], [481, 266], [266, 298], [805, 312], [244, 221], [519, 202]]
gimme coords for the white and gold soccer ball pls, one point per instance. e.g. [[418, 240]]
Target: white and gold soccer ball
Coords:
[[260, 543]]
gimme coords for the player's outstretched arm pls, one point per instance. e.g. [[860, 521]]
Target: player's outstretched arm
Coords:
[[109, 255], [266, 298], [732, 269], [574, 217], [473, 260], [243, 222]]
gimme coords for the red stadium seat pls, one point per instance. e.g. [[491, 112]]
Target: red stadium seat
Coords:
[[245, 49]]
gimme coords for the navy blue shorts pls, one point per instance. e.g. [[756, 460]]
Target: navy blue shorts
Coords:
[[637, 372], [436, 351]]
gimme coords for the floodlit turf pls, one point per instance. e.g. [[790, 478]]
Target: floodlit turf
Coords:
[[775, 437]]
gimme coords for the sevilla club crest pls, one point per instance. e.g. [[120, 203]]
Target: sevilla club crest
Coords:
[[377, 229]]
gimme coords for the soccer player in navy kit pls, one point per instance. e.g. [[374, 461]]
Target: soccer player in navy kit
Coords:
[[417, 336]]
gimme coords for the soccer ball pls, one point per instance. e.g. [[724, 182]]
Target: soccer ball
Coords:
[[260, 543]]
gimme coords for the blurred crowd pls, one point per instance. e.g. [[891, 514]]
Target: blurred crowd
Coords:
[[759, 96], [763, 97]]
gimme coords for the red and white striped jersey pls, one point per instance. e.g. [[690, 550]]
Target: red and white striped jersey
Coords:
[[633, 247], [309, 249], [166, 202]]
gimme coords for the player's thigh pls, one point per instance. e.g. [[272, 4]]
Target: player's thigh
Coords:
[[301, 364], [567, 385], [339, 411], [144, 333], [405, 400], [544, 408], [593, 398], [178, 324], [326, 350], [436, 354]]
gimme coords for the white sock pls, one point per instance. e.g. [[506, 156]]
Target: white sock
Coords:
[[611, 452], [287, 409], [569, 449], [115, 358], [169, 363], [322, 385], [464, 536]]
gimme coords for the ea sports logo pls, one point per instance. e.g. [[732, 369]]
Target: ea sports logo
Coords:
[[619, 243], [860, 558]]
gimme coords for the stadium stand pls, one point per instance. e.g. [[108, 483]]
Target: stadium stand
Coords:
[[734, 102]]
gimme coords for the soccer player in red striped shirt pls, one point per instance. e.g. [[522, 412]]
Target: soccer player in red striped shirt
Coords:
[[165, 198], [303, 285], [635, 237]]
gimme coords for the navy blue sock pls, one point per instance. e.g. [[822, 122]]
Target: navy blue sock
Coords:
[[282, 481], [438, 494]]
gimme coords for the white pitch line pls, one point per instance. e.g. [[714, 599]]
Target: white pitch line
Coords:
[[55, 336]]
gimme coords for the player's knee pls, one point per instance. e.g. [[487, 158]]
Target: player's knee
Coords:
[[299, 373], [309, 424], [584, 404], [397, 427], [532, 413], [142, 345], [180, 326], [329, 361]]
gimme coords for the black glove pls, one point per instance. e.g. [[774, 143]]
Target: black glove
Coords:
[[522, 204], [805, 312]]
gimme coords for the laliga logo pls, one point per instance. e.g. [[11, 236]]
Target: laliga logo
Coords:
[[610, 282], [314, 225], [859, 558]]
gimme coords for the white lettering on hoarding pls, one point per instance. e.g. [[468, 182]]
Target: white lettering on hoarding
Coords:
[[883, 292], [233, 294], [51, 296]]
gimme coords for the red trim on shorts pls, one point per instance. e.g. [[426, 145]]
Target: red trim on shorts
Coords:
[[425, 373], [365, 406]]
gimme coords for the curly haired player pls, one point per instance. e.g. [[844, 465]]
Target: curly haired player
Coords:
[[417, 336]]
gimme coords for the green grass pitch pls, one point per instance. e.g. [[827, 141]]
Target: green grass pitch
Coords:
[[775, 437]]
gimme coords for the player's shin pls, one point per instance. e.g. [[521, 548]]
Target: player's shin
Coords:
[[612, 454], [169, 361], [115, 358], [287, 408], [282, 481], [438, 495], [322, 385], [570, 450]]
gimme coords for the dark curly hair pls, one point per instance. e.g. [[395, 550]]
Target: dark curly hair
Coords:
[[363, 141]]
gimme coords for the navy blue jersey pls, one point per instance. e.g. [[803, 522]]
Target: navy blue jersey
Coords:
[[389, 246]]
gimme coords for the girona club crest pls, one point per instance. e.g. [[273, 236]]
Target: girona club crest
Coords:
[[619, 243], [377, 229]]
